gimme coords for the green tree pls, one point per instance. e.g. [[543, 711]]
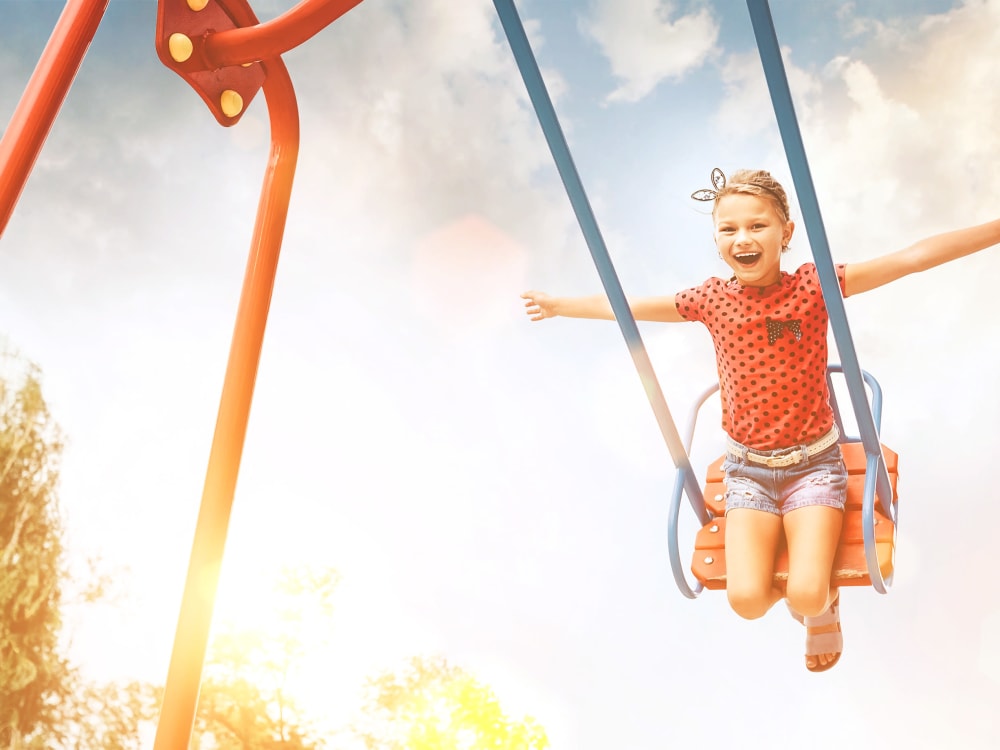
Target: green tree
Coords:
[[34, 677], [45, 702], [106, 716], [245, 702], [432, 705]]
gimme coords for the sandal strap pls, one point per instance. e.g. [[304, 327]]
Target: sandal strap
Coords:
[[830, 617], [824, 643], [823, 629]]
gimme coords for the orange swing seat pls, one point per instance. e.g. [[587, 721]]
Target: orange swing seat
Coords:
[[849, 568]]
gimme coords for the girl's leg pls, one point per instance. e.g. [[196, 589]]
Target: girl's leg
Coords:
[[813, 534], [752, 538], [813, 518]]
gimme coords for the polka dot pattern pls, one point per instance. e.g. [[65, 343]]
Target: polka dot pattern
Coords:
[[771, 353]]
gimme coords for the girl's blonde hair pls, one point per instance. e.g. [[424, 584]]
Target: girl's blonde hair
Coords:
[[756, 182]]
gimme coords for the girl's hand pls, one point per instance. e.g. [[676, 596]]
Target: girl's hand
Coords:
[[539, 305]]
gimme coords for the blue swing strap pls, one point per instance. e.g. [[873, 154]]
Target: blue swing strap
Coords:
[[539, 96], [876, 478]]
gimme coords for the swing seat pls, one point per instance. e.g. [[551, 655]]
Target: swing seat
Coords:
[[849, 567]]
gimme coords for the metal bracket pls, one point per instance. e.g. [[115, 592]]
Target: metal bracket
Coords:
[[182, 26]]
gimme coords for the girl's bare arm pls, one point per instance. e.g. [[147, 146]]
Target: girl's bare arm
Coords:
[[540, 305], [927, 253]]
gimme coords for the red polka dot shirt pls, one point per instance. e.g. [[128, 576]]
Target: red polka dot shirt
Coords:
[[771, 352]]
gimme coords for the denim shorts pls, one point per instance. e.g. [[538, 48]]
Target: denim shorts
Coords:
[[816, 480]]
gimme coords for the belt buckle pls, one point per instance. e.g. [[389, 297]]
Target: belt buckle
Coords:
[[788, 459]]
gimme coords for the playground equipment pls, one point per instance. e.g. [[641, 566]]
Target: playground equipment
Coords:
[[222, 51]]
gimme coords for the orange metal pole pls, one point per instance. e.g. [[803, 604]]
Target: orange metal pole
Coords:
[[43, 96], [277, 36], [180, 697]]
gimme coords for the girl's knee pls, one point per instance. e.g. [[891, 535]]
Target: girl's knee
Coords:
[[809, 599], [749, 603]]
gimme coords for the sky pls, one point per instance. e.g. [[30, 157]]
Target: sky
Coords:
[[490, 489]]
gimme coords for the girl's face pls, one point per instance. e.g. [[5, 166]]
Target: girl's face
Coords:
[[750, 234]]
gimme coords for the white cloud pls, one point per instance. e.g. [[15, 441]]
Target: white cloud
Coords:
[[424, 142], [746, 110], [902, 127], [647, 42], [901, 140], [899, 135]]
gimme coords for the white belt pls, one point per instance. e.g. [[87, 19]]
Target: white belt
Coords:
[[792, 457]]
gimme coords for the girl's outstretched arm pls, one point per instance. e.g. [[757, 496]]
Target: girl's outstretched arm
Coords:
[[927, 253], [540, 305]]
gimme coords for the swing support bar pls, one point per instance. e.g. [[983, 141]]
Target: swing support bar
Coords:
[[47, 88], [549, 122], [877, 477], [180, 695]]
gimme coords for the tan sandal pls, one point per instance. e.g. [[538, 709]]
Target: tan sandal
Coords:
[[824, 636]]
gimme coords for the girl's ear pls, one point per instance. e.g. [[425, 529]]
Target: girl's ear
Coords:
[[787, 234]]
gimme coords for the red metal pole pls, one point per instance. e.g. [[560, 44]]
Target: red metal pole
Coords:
[[43, 96], [277, 36], [180, 696]]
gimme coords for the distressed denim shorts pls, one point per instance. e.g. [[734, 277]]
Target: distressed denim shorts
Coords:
[[816, 480]]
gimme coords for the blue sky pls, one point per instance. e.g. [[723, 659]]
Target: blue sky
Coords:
[[494, 490]]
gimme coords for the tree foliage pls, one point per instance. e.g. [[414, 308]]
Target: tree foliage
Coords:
[[246, 697], [107, 716], [45, 702], [245, 703], [34, 676], [432, 705]]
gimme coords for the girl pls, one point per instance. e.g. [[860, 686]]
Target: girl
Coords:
[[769, 328]]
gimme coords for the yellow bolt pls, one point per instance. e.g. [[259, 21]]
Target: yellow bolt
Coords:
[[197, 5], [180, 47], [231, 102]]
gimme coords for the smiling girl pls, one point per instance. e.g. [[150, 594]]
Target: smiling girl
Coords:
[[769, 328]]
